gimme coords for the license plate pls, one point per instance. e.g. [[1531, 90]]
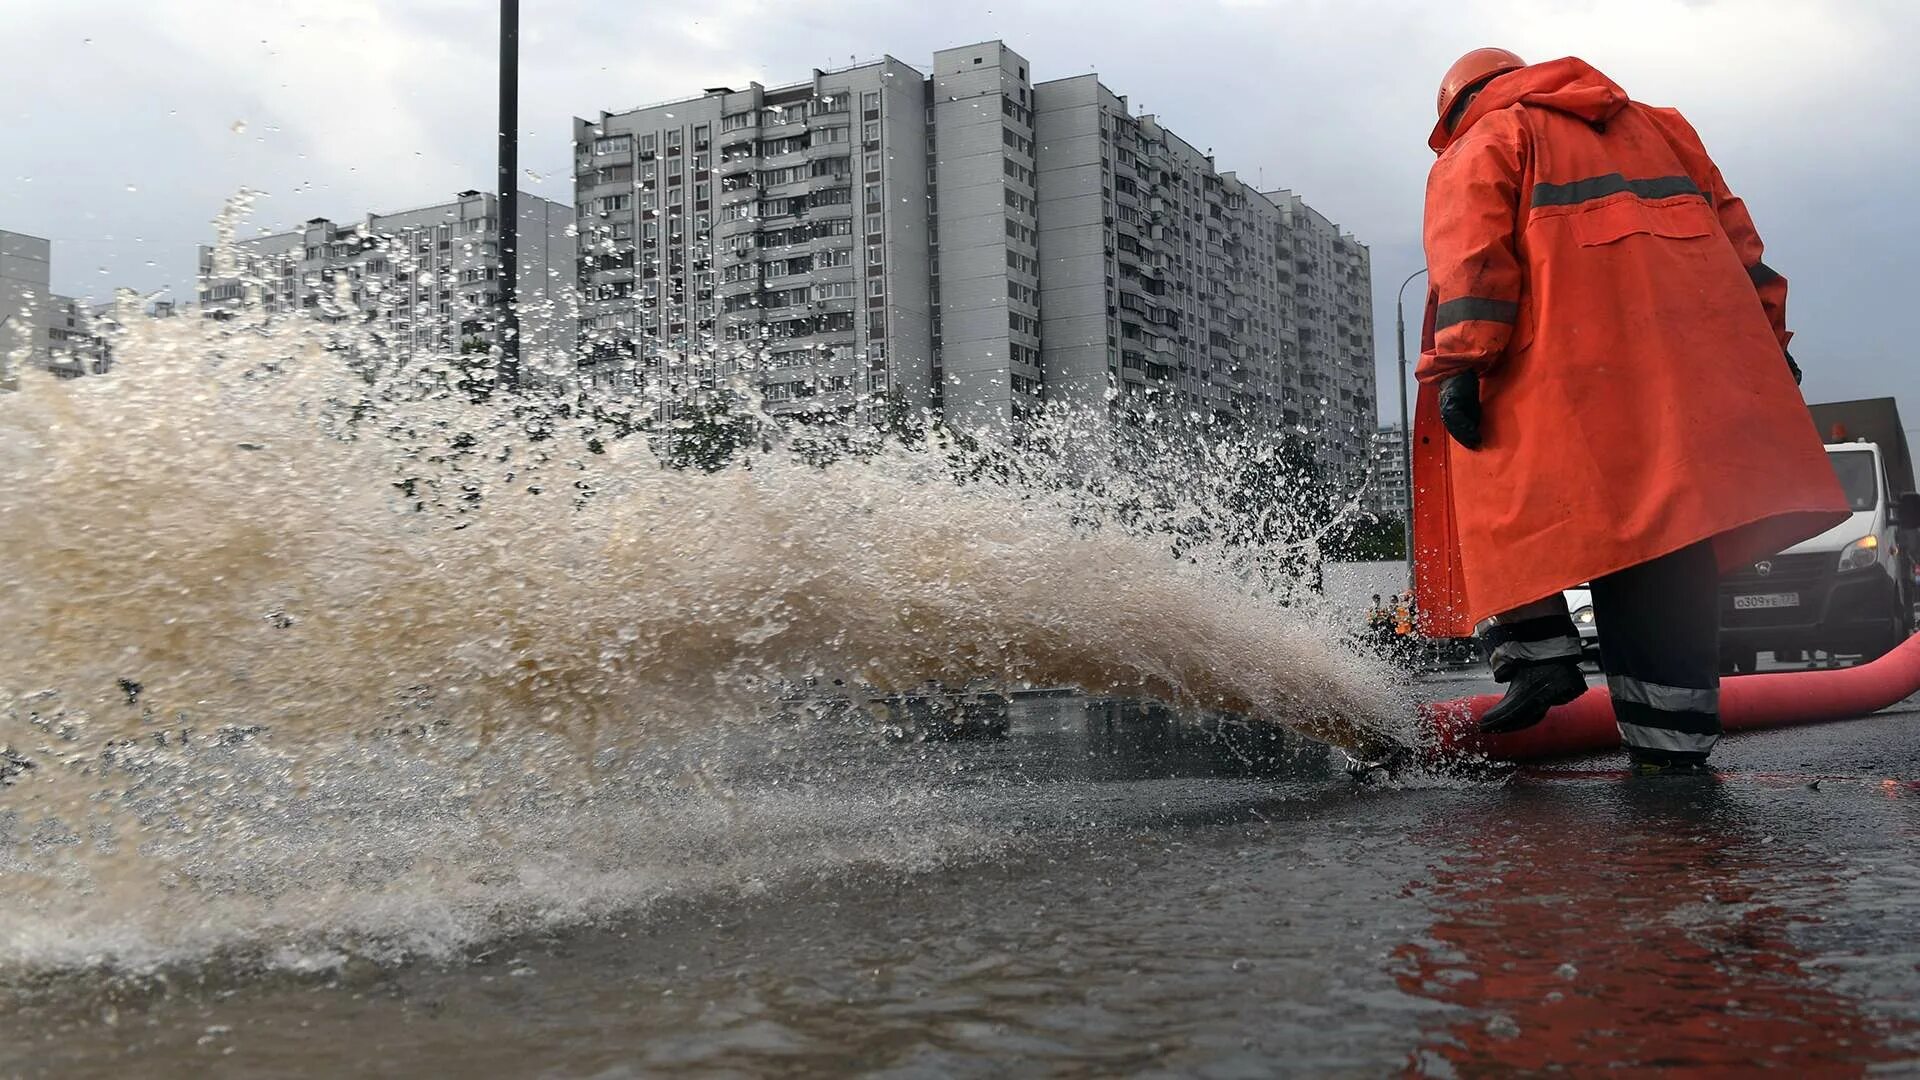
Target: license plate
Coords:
[[1766, 600]]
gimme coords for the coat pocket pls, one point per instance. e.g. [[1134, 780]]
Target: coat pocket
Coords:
[[1678, 219]]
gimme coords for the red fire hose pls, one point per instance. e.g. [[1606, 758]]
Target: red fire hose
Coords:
[[1747, 703]]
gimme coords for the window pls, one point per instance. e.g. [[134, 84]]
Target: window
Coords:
[[646, 144], [610, 203], [736, 121], [873, 196], [870, 132], [870, 102], [873, 224], [835, 290], [830, 135], [613, 144], [830, 197]]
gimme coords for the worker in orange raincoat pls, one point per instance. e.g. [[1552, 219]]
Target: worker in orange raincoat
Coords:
[[1606, 397]]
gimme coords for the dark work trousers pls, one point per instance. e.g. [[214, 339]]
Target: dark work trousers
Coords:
[[1659, 628]]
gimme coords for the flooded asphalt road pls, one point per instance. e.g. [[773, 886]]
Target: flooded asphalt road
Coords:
[[1128, 902]]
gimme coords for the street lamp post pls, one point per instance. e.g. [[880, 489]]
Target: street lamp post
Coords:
[[1406, 429], [508, 372]]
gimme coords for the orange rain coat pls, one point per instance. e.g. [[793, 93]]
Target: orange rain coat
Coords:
[[1589, 262]]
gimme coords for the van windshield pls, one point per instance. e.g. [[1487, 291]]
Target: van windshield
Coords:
[[1856, 472]]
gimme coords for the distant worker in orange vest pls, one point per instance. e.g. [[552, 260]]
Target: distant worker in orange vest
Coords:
[[1606, 396]]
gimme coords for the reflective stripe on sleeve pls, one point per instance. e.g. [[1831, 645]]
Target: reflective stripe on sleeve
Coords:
[[1472, 309]]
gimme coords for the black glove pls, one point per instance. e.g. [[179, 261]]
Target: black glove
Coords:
[[1793, 367], [1460, 408]]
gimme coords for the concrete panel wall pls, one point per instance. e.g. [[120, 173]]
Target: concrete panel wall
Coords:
[[26, 299]]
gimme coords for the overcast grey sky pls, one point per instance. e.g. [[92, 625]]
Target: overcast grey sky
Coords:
[[128, 124]]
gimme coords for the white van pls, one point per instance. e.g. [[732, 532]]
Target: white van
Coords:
[[1850, 590]]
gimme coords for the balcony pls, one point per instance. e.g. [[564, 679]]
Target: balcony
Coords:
[[785, 158], [725, 229], [830, 211]]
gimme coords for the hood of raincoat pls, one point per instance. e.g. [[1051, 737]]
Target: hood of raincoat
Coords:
[[1568, 85]]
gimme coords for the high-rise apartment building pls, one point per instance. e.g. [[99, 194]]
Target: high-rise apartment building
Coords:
[[1164, 278], [969, 241], [1333, 320], [987, 370], [1387, 489], [423, 281], [781, 234]]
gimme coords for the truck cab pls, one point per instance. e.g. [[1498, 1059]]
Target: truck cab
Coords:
[[1850, 590]]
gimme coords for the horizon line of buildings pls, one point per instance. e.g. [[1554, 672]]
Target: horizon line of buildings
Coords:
[[966, 241]]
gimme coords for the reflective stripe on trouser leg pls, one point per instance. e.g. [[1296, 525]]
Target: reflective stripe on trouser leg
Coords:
[[1665, 723], [1529, 634], [1659, 645]]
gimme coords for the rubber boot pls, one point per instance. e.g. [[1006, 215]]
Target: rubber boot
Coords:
[[1535, 688]]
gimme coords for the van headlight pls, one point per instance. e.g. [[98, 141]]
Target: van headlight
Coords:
[[1862, 554], [1584, 616]]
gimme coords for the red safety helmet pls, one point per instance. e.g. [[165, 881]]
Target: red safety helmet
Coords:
[[1477, 66]]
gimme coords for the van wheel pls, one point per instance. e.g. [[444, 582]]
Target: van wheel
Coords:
[[1901, 630]]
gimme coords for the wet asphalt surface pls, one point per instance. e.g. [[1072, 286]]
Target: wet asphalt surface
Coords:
[[1129, 900]]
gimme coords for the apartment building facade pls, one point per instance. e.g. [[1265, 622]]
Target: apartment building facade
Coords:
[[1387, 489], [423, 281], [967, 241], [777, 236], [79, 337], [26, 299], [39, 328]]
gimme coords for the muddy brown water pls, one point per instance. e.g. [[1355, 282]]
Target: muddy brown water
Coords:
[[1092, 900]]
